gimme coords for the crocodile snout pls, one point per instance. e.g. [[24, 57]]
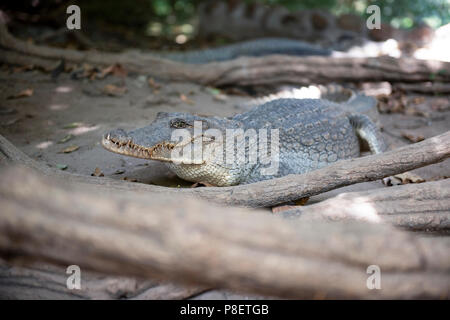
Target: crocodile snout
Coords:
[[118, 135]]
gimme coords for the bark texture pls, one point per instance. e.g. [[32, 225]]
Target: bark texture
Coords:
[[245, 71], [276, 191], [190, 241]]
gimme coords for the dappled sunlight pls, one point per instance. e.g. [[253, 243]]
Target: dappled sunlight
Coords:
[[341, 207], [44, 144], [311, 92], [389, 47], [362, 208], [58, 107], [63, 89], [82, 129], [439, 47]]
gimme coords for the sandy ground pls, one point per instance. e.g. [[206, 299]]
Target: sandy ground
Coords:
[[80, 109]]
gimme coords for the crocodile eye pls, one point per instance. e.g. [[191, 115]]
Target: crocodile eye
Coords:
[[179, 124]]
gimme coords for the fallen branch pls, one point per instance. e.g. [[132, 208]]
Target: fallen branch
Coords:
[[268, 70], [193, 242], [427, 87], [276, 191], [417, 207], [49, 282]]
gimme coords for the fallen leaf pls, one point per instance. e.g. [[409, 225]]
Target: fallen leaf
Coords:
[[153, 84], [70, 149], [412, 138], [61, 166], [88, 71], [28, 67], [130, 179], [220, 97], [186, 99], [418, 100], [115, 69], [301, 201], [298, 203], [72, 125], [213, 91], [412, 111], [97, 173], [22, 94], [66, 138], [113, 90], [119, 171]]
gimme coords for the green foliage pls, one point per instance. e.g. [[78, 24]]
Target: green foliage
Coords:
[[173, 17], [400, 13], [406, 13]]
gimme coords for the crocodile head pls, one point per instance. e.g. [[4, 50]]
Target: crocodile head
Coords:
[[189, 144]]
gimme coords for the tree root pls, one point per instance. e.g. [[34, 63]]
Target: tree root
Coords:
[[193, 242], [268, 70], [416, 207], [276, 191]]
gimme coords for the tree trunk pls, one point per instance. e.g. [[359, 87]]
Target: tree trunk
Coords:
[[268, 70], [193, 242]]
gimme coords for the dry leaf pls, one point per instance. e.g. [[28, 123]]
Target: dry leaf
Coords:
[[72, 125], [413, 111], [220, 97], [115, 69], [298, 203], [61, 166], [186, 99], [97, 173], [301, 201], [130, 179], [23, 68], [153, 84], [70, 149], [418, 100], [66, 138], [22, 94], [89, 71], [113, 90], [412, 138]]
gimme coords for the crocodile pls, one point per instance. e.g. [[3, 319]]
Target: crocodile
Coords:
[[252, 48], [305, 134], [348, 98]]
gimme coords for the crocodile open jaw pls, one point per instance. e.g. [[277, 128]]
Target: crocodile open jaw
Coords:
[[124, 146]]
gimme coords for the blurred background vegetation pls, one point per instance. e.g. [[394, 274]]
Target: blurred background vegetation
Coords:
[[398, 13], [169, 19], [174, 17]]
